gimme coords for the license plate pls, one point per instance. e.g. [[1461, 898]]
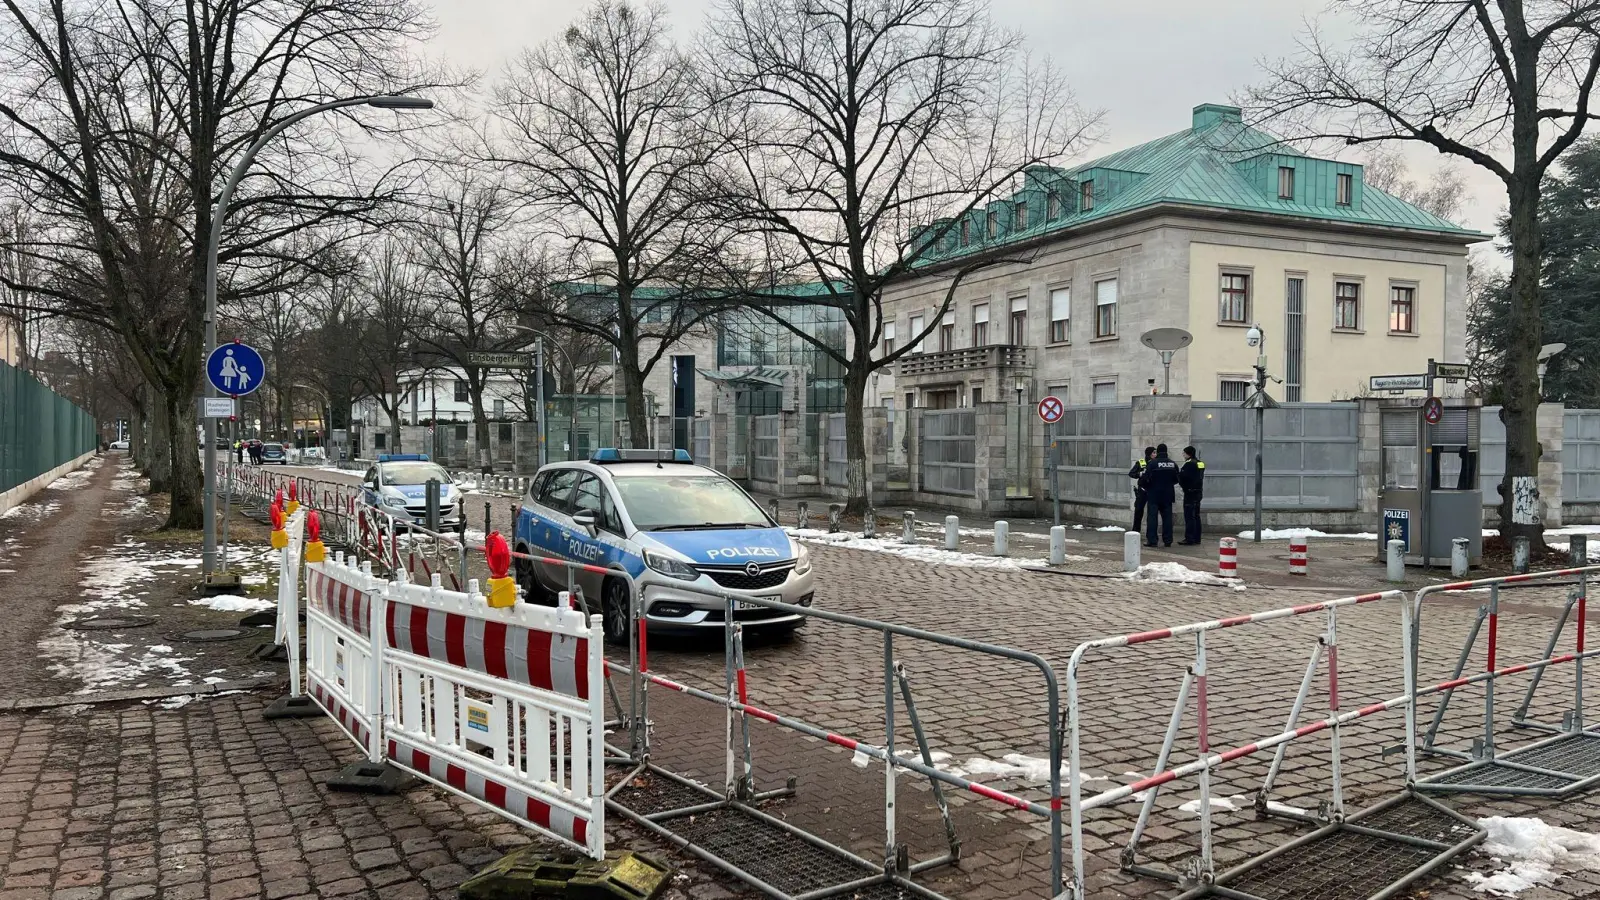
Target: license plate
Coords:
[[747, 605]]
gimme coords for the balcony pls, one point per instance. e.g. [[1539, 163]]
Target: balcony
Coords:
[[965, 360]]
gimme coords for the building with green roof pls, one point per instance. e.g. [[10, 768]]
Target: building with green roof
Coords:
[[1210, 229]]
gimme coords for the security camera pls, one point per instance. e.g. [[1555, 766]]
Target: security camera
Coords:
[[1253, 336]]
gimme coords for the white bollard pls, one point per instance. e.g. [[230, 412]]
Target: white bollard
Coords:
[[1458, 558], [1519, 555], [908, 534], [1579, 549], [1299, 558], [952, 532], [1058, 545], [1227, 557], [802, 515], [1131, 548], [1002, 537], [1397, 561], [869, 524]]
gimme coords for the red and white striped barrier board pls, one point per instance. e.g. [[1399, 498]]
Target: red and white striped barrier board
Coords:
[[503, 706], [1298, 557], [286, 634], [342, 658], [1228, 558]]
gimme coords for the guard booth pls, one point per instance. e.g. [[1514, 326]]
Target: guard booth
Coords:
[[1430, 493]]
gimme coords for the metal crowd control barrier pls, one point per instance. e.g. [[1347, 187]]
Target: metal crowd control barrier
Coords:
[[1568, 760], [699, 813], [500, 706], [1419, 833]]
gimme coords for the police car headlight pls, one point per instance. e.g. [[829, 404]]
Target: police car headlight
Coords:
[[802, 560], [672, 568], [398, 501]]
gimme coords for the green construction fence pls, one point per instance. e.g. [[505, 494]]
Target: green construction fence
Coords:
[[39, 428]]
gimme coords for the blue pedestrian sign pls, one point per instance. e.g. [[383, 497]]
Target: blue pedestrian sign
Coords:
[[235, 369]]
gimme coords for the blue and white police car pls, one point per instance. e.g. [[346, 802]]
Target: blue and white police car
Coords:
[[398, 485], [687, 534]]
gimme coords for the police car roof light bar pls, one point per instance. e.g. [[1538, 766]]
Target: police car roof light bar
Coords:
[[402, 457], [606, 455]]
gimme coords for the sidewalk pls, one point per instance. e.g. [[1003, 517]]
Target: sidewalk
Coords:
[[192, 795]]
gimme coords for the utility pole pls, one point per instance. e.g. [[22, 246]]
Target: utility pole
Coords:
[[1260, 401], [538, 389]]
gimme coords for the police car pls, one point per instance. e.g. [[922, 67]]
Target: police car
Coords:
[[680, 530], [398, 485]]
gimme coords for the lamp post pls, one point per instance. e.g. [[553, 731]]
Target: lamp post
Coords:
[[209, 554], [1260, 401]]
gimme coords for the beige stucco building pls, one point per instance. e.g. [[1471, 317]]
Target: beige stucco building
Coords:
[[1209, 230]]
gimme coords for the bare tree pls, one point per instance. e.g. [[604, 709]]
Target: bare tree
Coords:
[[391, 286], [858, 125], [1504, 85], [1385, 169], [604, 129]]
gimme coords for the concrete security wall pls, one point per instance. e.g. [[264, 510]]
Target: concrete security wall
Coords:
[[20, 494]]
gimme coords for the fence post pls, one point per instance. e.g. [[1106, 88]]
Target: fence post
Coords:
[[1227, 556], [909, 534], [1131, 545], [952, 532], [1298, 557], [1058, 545], [1002, 537], [1458, 558], [1397, 561]]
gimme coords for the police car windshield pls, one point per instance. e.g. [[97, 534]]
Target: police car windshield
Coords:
[[413, 473], [657, 503]]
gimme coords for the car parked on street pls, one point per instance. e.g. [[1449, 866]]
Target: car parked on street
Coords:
[[686, 534], [119, 445], [398, 485]]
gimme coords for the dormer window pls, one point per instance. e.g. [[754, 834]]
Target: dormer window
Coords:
[[1086, 196], [1052, 206], [994, 224], [966, 232], [1344, 187], [1286, 182], [1022, 215]]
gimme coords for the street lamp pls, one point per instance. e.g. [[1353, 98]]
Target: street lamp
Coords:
[[538, 366], [1260, 401], [219, 212]]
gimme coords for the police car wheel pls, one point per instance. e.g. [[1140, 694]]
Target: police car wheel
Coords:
[[616, 615], [528, 582]]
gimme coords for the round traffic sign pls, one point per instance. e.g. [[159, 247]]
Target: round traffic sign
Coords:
[[1432, 410], [235, 369], [1051, 410]]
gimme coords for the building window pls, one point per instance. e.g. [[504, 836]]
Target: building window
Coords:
[[1086, 196], [994, 224], [947, 332], [1105, 392], [379, 440], [499, 409], [461, 390], [915, 334], [1347, 305], [1060, 314], [1232, 390], [1019, 321], [1235, 302], [1344, 187], [1286, 182], [888, 338], [1105, 308], [966, 231], [911, 401], [1294, 338], [977, 394], [1021, 217], [1402, 307], [980, 325], [1052, 206]]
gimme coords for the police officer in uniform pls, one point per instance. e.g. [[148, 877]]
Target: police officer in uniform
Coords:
[[1139, 495], [1160, 481], [1192, 478]]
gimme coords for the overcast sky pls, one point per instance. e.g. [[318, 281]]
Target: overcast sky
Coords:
[[1146, 63]]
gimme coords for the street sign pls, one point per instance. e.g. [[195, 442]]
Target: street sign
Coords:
[[216, 407], [1451, 371], [235, 369], [1051, 409], [1398, 382], [1432, 410], [1397, 527], [494, 359]]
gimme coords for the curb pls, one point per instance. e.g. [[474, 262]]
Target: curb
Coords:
[[28, 704]]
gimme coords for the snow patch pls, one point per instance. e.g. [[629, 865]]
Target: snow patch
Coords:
[[860, 759], [1533, 853], [1028, 768], [1218, 804], [1178, 573], [1107, 528], [921, 552], [233, 603], [1281, 534]]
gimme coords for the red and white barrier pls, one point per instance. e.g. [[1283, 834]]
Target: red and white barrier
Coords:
[[286, 634], [1299, 558], [343, 653], [1228, 558]]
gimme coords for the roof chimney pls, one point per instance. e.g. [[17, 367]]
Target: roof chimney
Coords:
[[1209, 114]]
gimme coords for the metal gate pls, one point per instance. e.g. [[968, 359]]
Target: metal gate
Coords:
[[764, 449], [838, 473], [948, 450], [702, 442]]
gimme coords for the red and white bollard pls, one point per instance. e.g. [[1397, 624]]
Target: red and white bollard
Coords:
[[1228, 557], [1298, 557]]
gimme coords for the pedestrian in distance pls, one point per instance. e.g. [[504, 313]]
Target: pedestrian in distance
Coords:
[[1160, 482], [1139, 494], [238, 451], [1192, 478]]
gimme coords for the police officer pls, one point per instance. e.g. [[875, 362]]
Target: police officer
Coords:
[[1139, 494], [1160, 481], [1192, 478]]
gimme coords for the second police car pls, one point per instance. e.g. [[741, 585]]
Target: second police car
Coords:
[[398, 485], [687, 534]]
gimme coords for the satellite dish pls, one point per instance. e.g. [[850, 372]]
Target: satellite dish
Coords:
[[1166, 339], [1549, 350]]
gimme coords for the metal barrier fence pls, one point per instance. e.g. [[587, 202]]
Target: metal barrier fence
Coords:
[[1393, 822], [1309, 457], [1095, 448], [838, 469], [949, 451], [1580, 456], [39, 429], [764, 451], [1565, 762]]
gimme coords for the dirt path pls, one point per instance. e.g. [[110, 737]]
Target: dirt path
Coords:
[[42, 545]]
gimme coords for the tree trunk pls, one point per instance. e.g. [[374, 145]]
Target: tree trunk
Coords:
[[285, 413], [158, 464], [480, 426], [1519, 487], [633, 398], [136, 437], [855, 440], [394, 429], [186, 483]]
